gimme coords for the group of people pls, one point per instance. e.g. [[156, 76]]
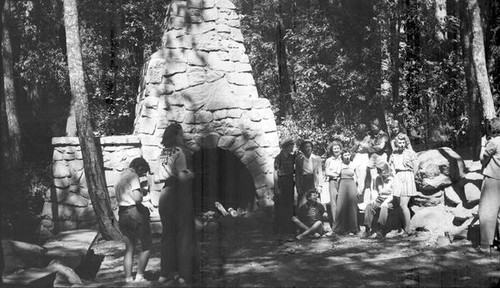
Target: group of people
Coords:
[[178, 241], [364, 167]]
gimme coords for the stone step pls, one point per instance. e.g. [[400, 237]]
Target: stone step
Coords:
[[70, 247], [31, 277]]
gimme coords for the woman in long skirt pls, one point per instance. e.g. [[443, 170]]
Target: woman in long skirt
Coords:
[[178, 241], [403, 162], [347, 201]]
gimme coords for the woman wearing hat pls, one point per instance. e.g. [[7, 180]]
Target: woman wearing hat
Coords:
[[489, 203]]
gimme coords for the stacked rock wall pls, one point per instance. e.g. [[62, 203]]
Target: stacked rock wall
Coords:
[[68, 205], [202, 79]]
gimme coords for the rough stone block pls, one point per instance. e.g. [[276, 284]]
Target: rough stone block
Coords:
[[248, 157], [225, 4], [215, 63], [76, 200], [223, 28], [197, 77], [78, 155], [224, 56], [241, 78], [266, 113], [197, 58], [175, 22], [76, 176], [452, 196], [195, 16], [195, 4], [244, 59], [174, 66], [207, 42], [171, 39], [254, 115], [238, 142], [225, 142], [62, 182], [57, 155], [237, 35], [208, 3], [234, 113], [269, 125], [235, 23], [146, 125], [60, 169], [65, 141], [180, 81], [178, 8], [220, 114], [472, 192], [76, 165], [68, 156], [175, 99]]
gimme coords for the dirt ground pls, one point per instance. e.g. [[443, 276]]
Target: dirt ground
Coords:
[[247, 254]]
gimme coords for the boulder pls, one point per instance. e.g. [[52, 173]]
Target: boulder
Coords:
[[438, 168], [472, 191], [426, 199], [434, 219]]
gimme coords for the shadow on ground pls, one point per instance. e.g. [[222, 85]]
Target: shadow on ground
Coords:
[[246, 253]]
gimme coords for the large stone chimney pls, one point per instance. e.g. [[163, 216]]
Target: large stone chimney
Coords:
[[202, 79]]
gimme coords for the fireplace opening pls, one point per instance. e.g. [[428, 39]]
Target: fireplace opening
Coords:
[[220, 176]]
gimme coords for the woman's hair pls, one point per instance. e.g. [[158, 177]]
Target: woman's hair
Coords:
[[401, 136], [361, 130], [139, 164], [329, 150], [494, 127], [310, 192], [346, 151], [303, 144], [170, 135]]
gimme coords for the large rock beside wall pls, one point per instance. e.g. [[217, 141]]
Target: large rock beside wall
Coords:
[[202, 79], [68, 205]]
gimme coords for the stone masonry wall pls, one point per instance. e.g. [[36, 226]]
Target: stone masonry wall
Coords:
[[201, 78], [68, 204]]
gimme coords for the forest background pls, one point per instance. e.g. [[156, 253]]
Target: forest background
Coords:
[[325, 66]]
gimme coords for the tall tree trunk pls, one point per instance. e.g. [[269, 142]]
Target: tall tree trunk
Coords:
[[472, 75], [440, 15], [13, 135], [286, 106], [92, 156], [479, 58], [386, 63], [114, 53]]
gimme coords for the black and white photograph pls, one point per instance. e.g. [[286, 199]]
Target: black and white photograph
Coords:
[[250, 143]]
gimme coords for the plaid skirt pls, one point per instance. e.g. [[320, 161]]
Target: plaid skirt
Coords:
[[404, 184]]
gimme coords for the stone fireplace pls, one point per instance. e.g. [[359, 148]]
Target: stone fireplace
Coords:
[[201, 78]]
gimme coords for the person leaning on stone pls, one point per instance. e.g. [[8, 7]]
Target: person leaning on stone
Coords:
[[133, 213], [377, 210], [489, 203], [308, 171], [310, 216], [284, 184]]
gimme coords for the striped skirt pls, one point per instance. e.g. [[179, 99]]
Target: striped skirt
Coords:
[[404, 184]]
